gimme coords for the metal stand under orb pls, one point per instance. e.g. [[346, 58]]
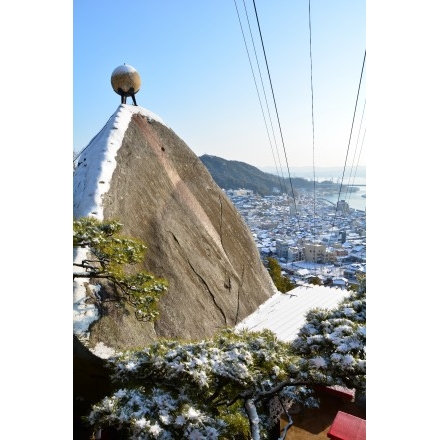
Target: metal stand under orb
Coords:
[[126, 81], [125, 95]]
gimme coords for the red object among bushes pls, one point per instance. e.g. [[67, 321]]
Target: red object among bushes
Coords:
[[347, 427], [339, 391]]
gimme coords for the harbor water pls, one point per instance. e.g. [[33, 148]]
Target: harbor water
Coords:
[[356, 199]]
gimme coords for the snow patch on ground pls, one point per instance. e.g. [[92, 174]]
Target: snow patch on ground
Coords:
[[84, 312], [102, 351]]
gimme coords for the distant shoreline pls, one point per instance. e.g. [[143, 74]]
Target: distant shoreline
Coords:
[[321, 173]]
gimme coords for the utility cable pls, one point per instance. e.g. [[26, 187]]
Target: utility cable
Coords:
[[360, 151], [313, 126], [349, 140], [350, 180], [259, 99], [313, 135], [275, 104], [264, 90]]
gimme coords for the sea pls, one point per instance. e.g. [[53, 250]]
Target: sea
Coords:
[[356, 200]]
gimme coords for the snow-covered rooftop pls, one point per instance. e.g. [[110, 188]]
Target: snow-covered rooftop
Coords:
[[284, 313], [303, 272]]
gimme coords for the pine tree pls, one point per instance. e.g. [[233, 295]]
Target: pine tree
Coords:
[[108, 257], [237, 384], [282, 282]]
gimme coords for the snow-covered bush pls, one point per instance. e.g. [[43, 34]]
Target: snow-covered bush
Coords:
[[237, 384]]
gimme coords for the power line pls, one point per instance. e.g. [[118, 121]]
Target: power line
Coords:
[[259, 99], [349, 140], [264, 89], [313, 125], [275, 103], [312, 113], [350, 180]]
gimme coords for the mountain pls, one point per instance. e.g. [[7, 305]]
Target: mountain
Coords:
[[231, 174]]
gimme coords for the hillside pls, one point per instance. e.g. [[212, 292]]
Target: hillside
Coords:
[[231, 174]]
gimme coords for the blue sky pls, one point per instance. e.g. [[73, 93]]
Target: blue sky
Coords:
[[197, 77]]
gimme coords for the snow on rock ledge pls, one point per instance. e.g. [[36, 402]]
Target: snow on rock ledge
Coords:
[[91, 183]]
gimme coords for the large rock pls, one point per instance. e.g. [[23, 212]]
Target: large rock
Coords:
[[163, 194]]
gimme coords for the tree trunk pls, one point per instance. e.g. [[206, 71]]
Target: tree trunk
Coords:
[[251, 411]]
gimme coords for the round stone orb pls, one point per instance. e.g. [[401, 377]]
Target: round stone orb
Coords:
[[125, 80]]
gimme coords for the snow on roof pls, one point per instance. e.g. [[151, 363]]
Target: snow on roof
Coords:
[[284, 313], [340, 280], [303, 272], [359, 247]]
